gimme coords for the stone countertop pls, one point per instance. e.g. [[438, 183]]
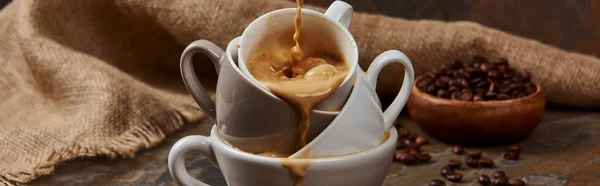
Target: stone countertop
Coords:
[[563, 150]]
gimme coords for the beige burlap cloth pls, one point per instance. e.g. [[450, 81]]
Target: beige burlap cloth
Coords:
[[89, 78]]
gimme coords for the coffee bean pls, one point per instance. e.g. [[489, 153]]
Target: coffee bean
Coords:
[[514, 148], [403, 133], [515, 86], [480, 91], [454, 164], [490, 95], [424, 157], [471, 162], [421, 140], [437, 183], [430, 75], [484, 68], [463, 83], [446, 171], [483, 84], [499, 174], [483, 180], [453, 88], [503, 96], [423, 84], [400, 145], [456, 177], [499, 181], [476, 80], [486, 162], [511, 155], [431, 89], [457, 149], [443, 93], [478, 98], [475, 154], [454, 95], [441, 83], [398, 155], [493, 74], [413, 151], [515, 182], [411, 144], [466, 96], [409, 159]]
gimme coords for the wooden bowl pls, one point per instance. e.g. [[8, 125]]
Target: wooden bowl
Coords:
[[476, 123]]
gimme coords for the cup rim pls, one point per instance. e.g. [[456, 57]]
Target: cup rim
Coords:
[[216, 140], [232, 46], [308, 12]]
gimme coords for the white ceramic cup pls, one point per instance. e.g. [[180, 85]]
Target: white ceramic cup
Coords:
[[367, 168], [331, 29]]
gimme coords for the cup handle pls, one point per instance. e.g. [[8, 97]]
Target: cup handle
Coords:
[[341, 12], [190, 79], [180, 150], [393, 56]]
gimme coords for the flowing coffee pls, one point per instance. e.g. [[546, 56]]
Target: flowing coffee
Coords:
[[304, 76]]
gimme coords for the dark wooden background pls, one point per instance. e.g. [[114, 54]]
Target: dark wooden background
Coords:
[[573, 25]]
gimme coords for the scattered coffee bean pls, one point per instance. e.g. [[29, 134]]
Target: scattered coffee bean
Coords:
[[502, 181], [514, 148], [466, 96], [486, 162], [516, 182], [456, 177], [499, 174], [398, 155], [424, 157], [403, 133], [421, 140], [446, 171], [413, 151], [511, 155], [483, 180], [457, 149], [409, 159], [454, 164], [411, 144], [471, 162], [475, 154], [400, 145], [437, 183], [494, 79]]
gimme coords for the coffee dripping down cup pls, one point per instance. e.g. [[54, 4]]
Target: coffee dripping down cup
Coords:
[[248, 115], [347, 129]]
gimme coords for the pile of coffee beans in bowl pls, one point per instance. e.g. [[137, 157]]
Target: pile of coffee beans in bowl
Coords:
[[479, 79]]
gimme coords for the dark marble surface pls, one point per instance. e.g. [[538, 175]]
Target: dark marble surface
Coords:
[[564, 149]]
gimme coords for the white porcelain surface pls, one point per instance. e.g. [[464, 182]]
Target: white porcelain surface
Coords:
[[277, 25], [366, 168], [361, 125]]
